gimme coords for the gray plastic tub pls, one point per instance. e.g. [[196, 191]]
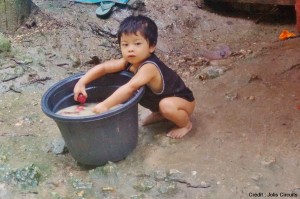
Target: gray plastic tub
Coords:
[[95, 140]]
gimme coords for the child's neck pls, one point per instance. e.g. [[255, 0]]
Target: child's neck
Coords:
[[134, 67]]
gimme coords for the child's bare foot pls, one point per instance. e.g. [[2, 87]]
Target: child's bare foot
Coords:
[[152, 118], [178, 133]]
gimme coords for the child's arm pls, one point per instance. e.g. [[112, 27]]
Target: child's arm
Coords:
[[96, 72], [123, 93]]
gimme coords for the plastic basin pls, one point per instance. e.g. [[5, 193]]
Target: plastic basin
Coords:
[[96, 139]]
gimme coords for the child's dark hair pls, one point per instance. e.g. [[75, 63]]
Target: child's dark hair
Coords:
[[142, 24]]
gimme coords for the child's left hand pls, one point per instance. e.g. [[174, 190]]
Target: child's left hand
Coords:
[[100, 108]]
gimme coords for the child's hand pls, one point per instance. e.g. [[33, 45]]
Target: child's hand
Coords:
[[79, 89], [81, 98], [100, 108]]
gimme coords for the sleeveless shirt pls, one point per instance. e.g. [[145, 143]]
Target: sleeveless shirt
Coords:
[[172, 85]]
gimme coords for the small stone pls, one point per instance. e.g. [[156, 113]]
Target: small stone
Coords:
[[76, 62], [58, 146], [211, 72], [204, 184], [256, 177], [160, 175], [109, 168], [80, 193], [253, 77], [268, 161], [25, 177], [251, 98], [168, 188], [231, 96], [174, 171], [144, 185], [78, 184], [108, 189]]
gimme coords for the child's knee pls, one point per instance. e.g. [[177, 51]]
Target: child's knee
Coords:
[[166, 106]]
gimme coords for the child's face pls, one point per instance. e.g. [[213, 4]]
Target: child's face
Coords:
[[135, 48]]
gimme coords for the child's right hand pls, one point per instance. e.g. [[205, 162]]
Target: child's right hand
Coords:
[[79, 88], [100, 108]]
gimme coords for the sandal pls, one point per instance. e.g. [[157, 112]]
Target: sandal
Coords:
[[104, 9], [105, 5]]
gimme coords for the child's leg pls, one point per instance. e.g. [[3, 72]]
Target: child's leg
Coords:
[[152, 118], [178, 111]]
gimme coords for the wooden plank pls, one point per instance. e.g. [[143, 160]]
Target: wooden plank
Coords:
[[271, 2]]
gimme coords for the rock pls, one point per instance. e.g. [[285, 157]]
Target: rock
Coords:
[[138, 196], [174, 174], [24, 177], [79, 184], [211, 72], [137, 5], [257, 177], [75, 60], [231, 96], [144, 185], [11, 73], [253, 78], [268, 161], [159, 175], [168, 188], [108, 189], [251, 98], [109, 170], [204, 184], [58, 146]]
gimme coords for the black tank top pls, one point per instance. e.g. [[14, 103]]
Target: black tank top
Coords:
[[173, 85]]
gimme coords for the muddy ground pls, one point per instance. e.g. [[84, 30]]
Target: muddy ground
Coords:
[[245, 140]]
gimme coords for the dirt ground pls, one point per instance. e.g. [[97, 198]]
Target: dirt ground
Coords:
[[245, 140]]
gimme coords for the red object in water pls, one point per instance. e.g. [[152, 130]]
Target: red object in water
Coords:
[[79, 108], [297, 8], [81, 98]]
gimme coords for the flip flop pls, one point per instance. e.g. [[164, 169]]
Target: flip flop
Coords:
[[104, 9], [105, 5], [118, 1], [99, 1], [87, 1]]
